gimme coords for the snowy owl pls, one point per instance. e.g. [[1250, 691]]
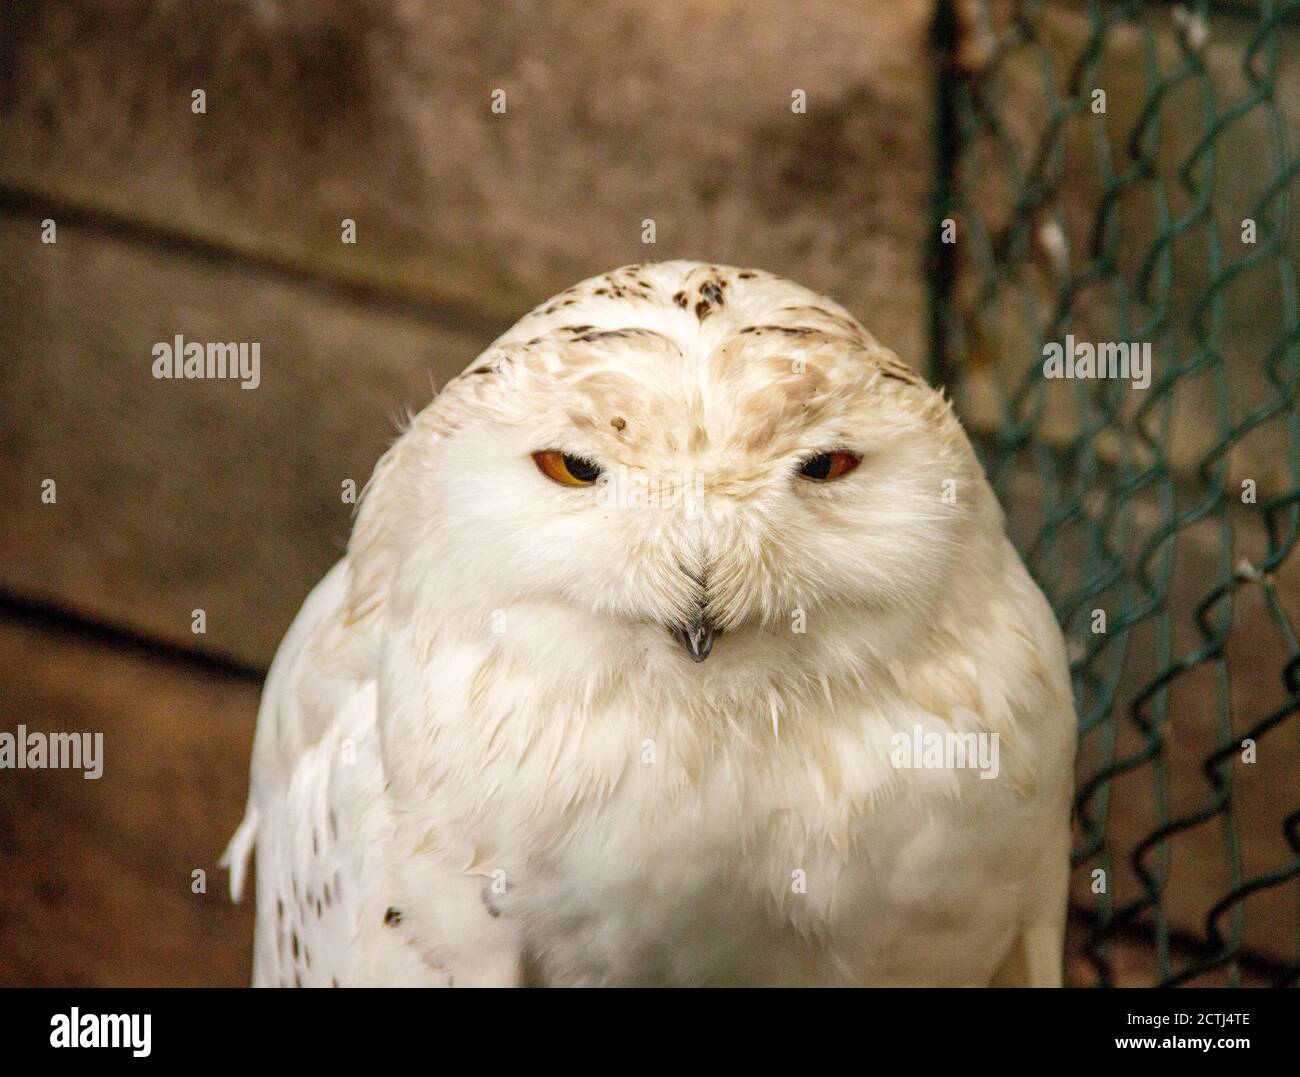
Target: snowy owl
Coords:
[[678, 641]]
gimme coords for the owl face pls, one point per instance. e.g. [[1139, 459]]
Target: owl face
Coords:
[[686, 458]]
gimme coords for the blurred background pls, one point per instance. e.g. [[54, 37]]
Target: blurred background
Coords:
[[938, 166]]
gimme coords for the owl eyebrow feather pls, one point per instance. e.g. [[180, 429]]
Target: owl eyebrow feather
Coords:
[[618, 334], [794, 330]]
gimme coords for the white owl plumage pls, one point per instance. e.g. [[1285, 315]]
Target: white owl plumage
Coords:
[[485, 755]]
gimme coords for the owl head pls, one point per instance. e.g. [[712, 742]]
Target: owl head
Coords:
[[675, 463]]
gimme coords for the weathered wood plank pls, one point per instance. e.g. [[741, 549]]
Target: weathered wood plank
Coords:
[[96, 884], [174, 496], [615, 113]]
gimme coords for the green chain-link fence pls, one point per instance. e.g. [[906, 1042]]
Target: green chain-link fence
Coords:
[[1121, 173]]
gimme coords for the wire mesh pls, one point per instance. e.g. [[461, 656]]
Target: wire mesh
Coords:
[[1120, 173]]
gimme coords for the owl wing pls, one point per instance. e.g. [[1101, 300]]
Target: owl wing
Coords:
[[1035, 957], [320, 823]]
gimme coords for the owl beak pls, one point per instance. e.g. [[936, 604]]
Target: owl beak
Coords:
[[698, 637]]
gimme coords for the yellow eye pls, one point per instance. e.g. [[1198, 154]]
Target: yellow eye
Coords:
[[826, 466], [566, 469]]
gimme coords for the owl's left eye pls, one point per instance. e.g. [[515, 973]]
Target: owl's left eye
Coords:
[[826, 466], [567, 469]]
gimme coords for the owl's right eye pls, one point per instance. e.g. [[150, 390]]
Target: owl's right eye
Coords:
[[828, 466], [566, 469]]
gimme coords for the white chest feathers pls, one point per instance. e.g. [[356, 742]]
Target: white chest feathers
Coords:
[[627, 844]]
